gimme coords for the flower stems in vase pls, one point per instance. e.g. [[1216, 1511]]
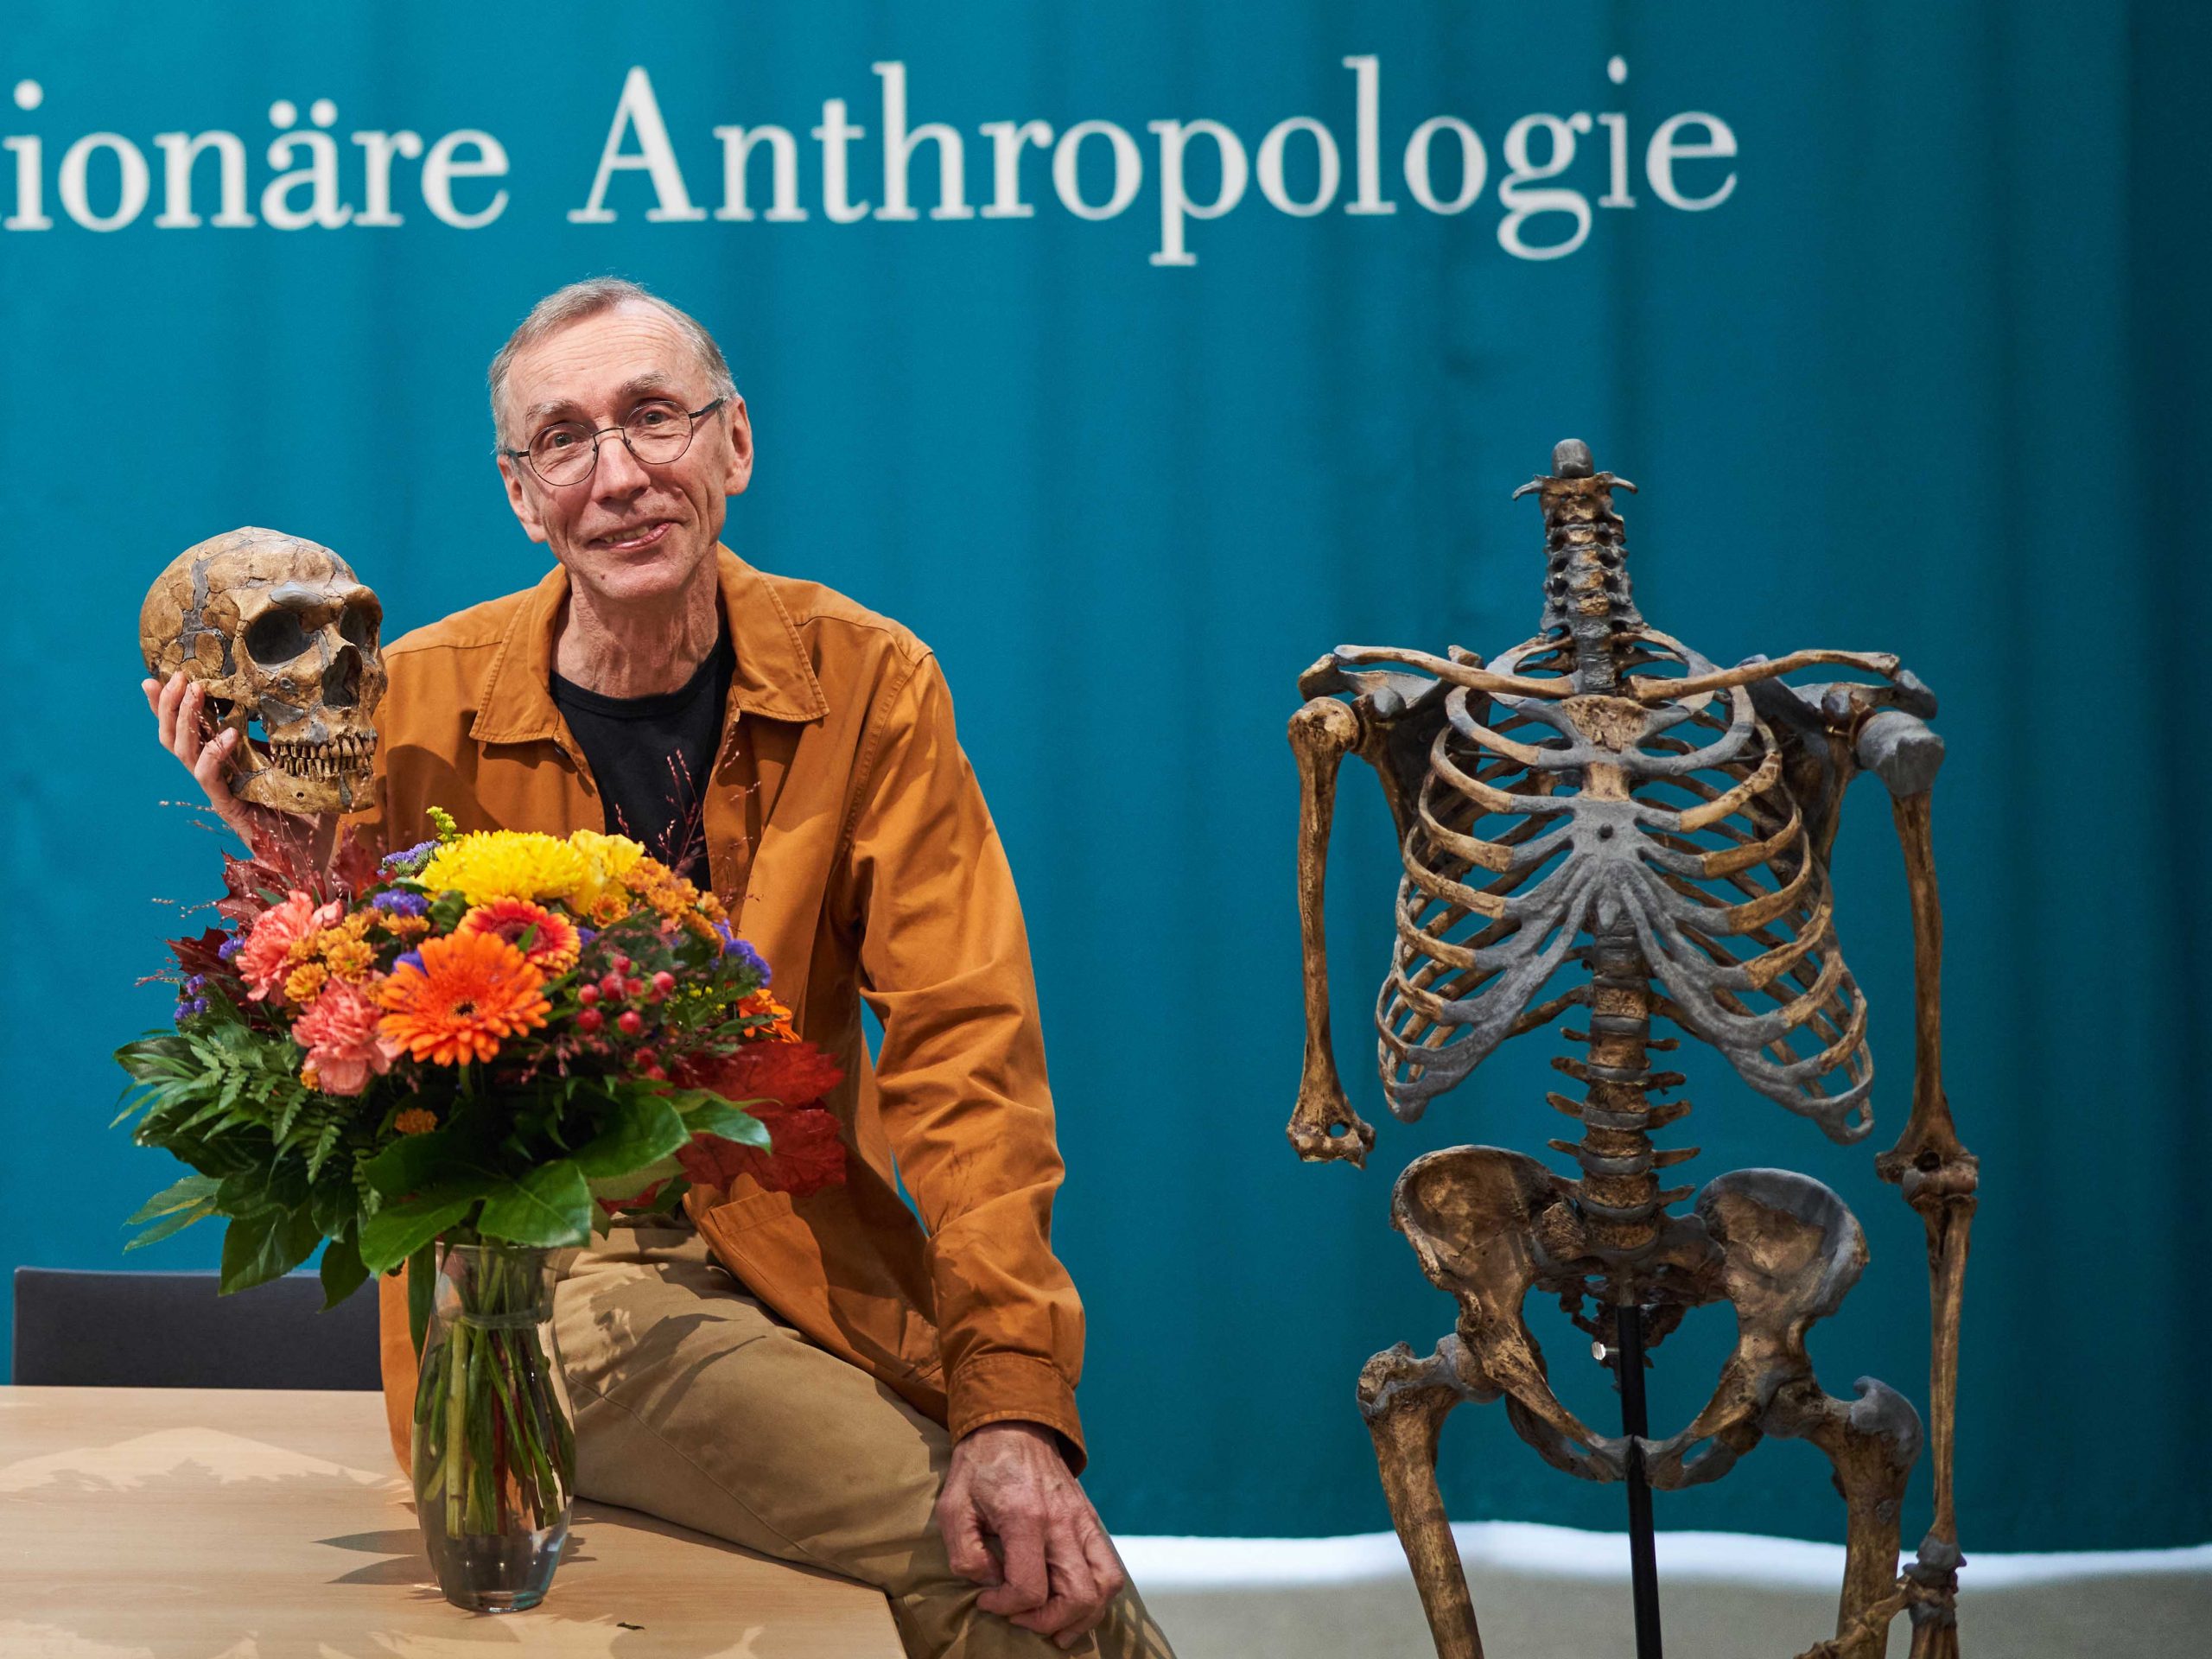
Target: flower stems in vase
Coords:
[[494, 1448]]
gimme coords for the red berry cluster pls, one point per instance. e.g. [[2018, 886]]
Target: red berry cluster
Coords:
[[618, 986]]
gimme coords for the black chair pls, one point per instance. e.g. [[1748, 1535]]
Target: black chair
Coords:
[[106, 1329]]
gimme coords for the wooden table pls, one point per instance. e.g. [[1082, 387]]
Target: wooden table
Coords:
[[250, 1523]]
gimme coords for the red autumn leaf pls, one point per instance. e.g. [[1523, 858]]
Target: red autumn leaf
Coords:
[[354, 864], [615, 1205], [776, 1082], [791, 1074], [806, 1153], [284, 862], [204, 954], [246, 883], [283, 843]]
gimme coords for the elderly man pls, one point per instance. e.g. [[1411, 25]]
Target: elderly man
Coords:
[[822, 1380]]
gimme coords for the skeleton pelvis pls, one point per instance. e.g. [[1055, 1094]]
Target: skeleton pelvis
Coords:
[[1487, 1225], [1490, 1225], [1790, 1250]]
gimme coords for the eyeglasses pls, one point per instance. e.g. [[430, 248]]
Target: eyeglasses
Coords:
[[656, 431]]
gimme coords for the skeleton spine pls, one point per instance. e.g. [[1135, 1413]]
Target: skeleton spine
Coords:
[[1586, 589], [1620, 1199]]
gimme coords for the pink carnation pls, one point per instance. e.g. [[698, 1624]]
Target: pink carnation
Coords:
[[340, 1032], [261, 959]]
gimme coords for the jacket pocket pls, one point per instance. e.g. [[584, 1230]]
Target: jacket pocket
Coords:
[[839, 1298], [757, 1210]]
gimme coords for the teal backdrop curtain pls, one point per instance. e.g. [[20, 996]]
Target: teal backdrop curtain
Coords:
[[1927, 380]]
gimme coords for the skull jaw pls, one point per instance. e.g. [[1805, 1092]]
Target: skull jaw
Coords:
[[334, 787]]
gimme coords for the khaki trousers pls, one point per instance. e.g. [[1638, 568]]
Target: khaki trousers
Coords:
[[695, 1403]]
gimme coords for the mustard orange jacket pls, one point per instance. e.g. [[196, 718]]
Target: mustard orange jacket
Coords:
[[848, 840]]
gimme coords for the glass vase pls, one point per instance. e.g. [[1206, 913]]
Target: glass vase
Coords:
[[494, 1441]]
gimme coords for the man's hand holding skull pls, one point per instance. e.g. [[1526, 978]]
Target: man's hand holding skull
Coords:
[[254, 626]]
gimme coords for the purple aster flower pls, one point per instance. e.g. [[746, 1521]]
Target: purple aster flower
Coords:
[[411, 959], [408, 862], [189, 1007], [394, 903], [193, 985], [734, 946], [586, 935], [231, 946]]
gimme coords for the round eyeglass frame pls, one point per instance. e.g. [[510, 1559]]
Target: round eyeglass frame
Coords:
[[620, 429]]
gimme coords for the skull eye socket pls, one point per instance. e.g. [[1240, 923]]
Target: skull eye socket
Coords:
[[275, 636], [358, 626]]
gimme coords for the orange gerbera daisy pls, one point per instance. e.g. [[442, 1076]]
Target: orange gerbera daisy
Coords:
[[779, 1030], [553, 947], [461, 996]]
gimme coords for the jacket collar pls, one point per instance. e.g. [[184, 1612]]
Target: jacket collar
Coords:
[[772, 679]]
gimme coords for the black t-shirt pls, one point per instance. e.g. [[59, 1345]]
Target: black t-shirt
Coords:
[[650, 756]]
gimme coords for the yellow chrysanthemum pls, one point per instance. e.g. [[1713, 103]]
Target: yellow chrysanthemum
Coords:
[[509, 864], [607, 860], [350, 959], [669, 895], [340, 951], [303, 982]]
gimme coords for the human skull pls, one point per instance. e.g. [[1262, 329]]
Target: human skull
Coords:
[[283, 637]]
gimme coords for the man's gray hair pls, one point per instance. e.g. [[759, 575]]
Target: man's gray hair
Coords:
[[588, 299]]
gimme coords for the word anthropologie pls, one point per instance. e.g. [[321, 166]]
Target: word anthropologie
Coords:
[[1198, 169]]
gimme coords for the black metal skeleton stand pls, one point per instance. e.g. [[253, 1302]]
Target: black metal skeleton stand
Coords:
[[1627, 1362]]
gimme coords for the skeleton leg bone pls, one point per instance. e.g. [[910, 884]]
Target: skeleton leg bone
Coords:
[[1873, 1442], [1405, 1402]]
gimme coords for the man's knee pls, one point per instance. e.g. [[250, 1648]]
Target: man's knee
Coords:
[[940, 1620]]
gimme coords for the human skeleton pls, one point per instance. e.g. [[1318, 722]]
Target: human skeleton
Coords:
[[1602, 795]]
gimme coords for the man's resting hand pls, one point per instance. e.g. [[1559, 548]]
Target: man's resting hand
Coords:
[[1055, 1569]]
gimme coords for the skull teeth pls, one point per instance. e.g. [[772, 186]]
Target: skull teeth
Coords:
[[335, 757]]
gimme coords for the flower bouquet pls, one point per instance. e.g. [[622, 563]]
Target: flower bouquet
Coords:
[[460, 1059]]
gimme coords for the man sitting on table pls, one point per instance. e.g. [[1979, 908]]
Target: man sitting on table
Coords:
[[822, 1379]]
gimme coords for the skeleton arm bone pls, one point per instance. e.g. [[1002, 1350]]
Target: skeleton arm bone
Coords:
[[1882, 730], [1323, 1125], [1939, 1179]]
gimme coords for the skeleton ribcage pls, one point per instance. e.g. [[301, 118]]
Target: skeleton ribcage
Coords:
[[1542, 822]]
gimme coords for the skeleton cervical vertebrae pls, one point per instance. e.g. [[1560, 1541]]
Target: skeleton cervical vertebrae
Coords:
[[1603, 799]]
